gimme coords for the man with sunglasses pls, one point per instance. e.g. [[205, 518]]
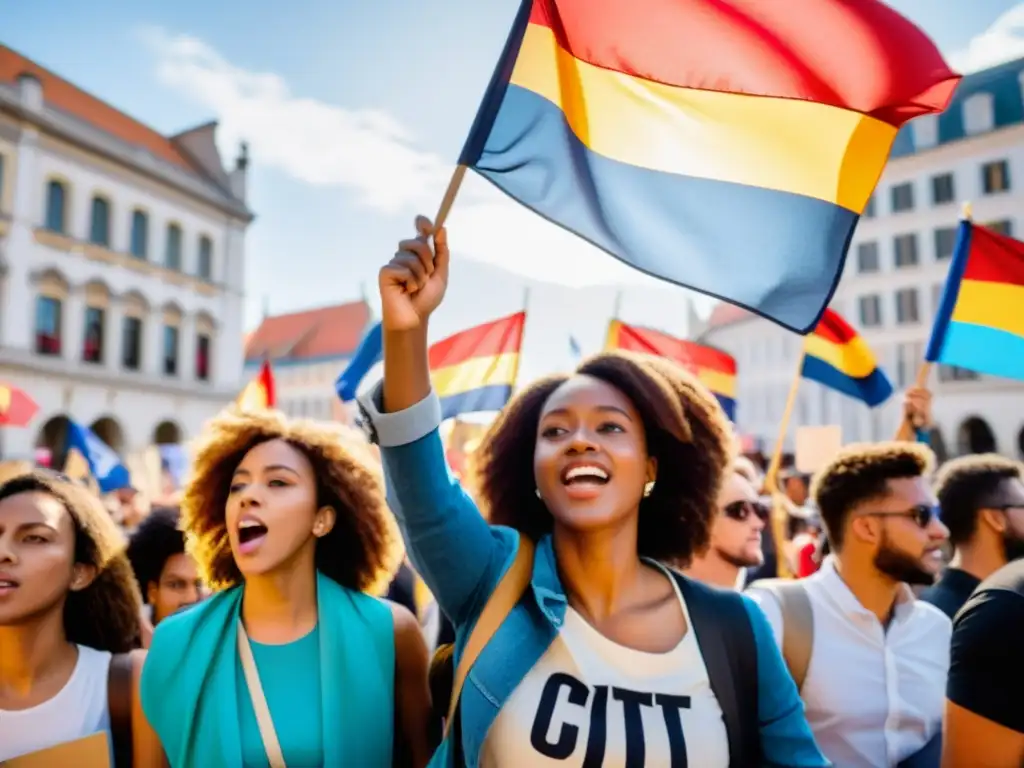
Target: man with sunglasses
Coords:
[[735, 536], [872, 661], [981, 499]]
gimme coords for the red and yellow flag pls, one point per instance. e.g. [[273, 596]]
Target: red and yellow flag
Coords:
[[259, 394]]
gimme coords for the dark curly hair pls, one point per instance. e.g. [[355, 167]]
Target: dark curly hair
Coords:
[[965, 485], [156, 540], [860, 473], [361, 552], [686, 432], [104, 615]]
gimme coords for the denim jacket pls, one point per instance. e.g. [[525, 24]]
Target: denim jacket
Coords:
[[462, 558]]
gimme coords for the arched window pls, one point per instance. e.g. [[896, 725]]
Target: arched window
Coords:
[[204, 267], [99, 227], [172, 256], [56, 209], [140, 234]]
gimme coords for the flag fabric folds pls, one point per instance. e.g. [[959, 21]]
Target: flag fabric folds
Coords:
[[980, 322], [729, 147], [366, 357], [104, 464], [260, 393], [714, 368], [836, 356], [473, 371]]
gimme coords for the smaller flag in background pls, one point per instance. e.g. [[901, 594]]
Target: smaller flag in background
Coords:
[[104, 464], [260, 393], [473, 371], [715, 369], [980, 322], [574, 349], [836, 356]]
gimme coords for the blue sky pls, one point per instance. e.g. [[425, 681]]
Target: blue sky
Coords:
[[355, 112]]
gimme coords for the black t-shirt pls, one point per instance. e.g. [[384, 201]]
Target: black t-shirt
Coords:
[[986, 671], [951, 591]]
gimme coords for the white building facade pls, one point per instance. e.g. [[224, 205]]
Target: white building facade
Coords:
[[122, 265], [895, 271]]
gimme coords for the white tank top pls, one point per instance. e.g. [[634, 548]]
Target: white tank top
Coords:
[[79, 709], [591, 703]]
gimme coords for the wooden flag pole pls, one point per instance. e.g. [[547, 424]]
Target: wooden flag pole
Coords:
[[925, 371], [779, 512], [449, 196]]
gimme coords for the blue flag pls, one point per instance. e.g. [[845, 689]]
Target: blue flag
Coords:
[[368, 355], [104, 464], [574, 348]]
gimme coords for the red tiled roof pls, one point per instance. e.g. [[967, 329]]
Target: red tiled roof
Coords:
[[59, 93], [727, 314], [326, 332]]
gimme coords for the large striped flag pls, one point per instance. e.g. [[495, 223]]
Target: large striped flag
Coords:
[[836, 356], [260, 393], [727, 146], [715, 369], [980, 322], [473, 371]]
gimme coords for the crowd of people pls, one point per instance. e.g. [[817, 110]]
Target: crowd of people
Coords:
[[598, 590]]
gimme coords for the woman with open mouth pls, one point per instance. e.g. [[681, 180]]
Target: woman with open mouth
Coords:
[[292, 662], [69, 624], [607, 657]]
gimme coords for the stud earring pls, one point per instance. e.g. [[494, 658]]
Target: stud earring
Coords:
[[537, 491], [648, 488]]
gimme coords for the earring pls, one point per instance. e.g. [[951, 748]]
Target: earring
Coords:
[[648, 488], [537, 491]]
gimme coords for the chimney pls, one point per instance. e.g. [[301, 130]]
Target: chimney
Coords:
[[30, 91], [240, 172]]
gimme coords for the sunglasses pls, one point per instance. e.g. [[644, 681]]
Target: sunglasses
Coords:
[[742, 510], [922, 514]]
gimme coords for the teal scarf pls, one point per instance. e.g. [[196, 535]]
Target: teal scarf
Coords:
[[189, 680]]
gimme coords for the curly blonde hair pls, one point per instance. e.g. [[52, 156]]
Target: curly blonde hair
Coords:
[[361, 552]]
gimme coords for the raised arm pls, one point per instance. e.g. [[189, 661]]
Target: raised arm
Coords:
[[458, 555]]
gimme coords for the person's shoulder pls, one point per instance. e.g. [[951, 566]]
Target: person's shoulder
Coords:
[[930, 616], [1009, 578]]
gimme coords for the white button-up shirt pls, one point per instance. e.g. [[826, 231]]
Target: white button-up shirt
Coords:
[[873, 696]]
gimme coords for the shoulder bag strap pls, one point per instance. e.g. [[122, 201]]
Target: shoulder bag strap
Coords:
[[259, 701], [120, 685], [501, 602], [797, 624]]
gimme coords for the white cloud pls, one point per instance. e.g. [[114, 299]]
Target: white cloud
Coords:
[[1003, 41], [370, 154]]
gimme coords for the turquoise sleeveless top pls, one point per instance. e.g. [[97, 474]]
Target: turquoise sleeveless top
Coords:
[[192, 676], [290, 676]]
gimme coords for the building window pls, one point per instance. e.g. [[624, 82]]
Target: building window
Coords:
[[906, 250], [202, 357], [56, 206], [131, 343], [170, 350], [92, 348], [869, 209], [99, 227], [903, 197], [942, 189], [140, 234], [867, 257], [995, 177], [204, 267], [870, 311], [172, 258], [945, 242], [48, 325], [1004, 227], [906, 306], [955, 373]]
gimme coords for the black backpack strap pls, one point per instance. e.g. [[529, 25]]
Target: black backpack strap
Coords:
[[120, 687], [722, 627]]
